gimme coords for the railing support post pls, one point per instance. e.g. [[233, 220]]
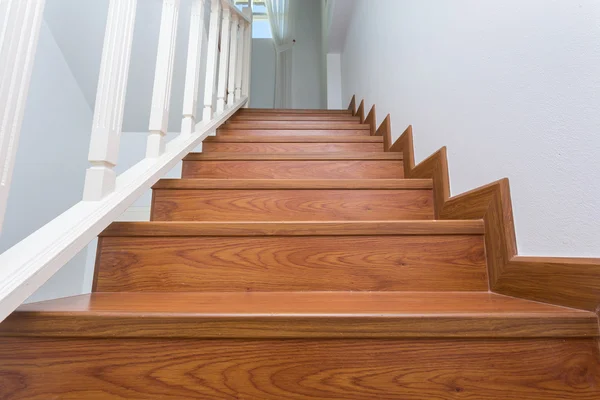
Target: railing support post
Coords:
[[100, 178], [163, 79], [224, 60], [247, 58], [239, 66], [192, 75], [21, 21], [233, 52], [211, 59]]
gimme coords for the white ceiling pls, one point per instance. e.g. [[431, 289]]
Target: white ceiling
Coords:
[[78, 28]]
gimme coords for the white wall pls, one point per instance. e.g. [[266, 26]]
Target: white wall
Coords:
[[262, 81], [308, 85], [511, 87], [51, 160], [334, 81]]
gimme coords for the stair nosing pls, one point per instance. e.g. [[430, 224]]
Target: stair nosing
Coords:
[[294, 184], [294, 139], [347, 156]]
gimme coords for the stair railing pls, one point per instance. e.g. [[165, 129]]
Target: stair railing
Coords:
[[31, 262]]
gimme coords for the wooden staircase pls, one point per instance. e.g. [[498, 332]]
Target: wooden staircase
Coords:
[[294, 261]]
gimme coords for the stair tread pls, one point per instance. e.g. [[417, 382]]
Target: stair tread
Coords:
[[309, 228], [293, 156], [273, 125], [294, 314], [292, 111], [294, 139], [373, 184]]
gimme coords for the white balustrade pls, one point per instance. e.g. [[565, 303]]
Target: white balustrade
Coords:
[[247, 56], [21, 22], [224, 60], [100, 178], [211, 59], [233, 51], [31, 262], [192, 75], [163, 78]]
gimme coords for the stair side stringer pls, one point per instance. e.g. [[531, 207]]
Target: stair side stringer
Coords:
[[570, 282]]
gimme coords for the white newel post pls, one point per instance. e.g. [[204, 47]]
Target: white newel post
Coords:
[[100, 178], [247, 58], [21, 22], [239, 65], [233, 52], [224, 60], [211, 59], [163, 79], [192, 74]]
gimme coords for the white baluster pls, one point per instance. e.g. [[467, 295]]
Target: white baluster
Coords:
[[247, 58], [211, 59], [233, 51], [110, 100], [163, 79], [224, 60], [21, 22], [192, 74], [239, 66]]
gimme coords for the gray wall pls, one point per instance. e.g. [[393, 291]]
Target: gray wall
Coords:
[[262, 82]]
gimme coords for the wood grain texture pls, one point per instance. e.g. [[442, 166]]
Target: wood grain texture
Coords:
[[352, 106], [340, 228], [300, 263], [304, 184], [295, 117], [291, 205], [360, 112], [225, 131], [266, 147], [371, 120], [385, 369], [289, 315], [572, 282], [291, 157], [287, 125], [293, 139], [350, 169], [289, 111], [385, 132]]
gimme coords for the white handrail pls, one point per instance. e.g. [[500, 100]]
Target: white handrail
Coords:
[[31, 262]]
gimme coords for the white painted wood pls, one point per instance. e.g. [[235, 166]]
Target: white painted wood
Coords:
[[192, 74], [247, 56], [21, 22], [239, 66], [30, 263], [211, 59], [233, 52], [163, 78], [100, 178], [224, 59]]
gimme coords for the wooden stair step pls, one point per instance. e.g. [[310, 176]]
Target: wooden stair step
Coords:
[[298, 315], [287, 200], [266, 125], [297, 117], [292, 144], [280, 132], [293, 139], [286, 111], [355, 165], [295, 256]]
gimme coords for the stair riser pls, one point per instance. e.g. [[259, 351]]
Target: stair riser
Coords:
[[290, 147], [274, 125], [311, 263], [291, 205], [300, 118], [291, 132], [343, 169], [411, 369]]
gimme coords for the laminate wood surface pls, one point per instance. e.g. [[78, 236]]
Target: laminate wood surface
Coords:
[[342, 169], [225, 131], [291, 315], [295, 117], [300, 263], [291, 157], [385, 132], [265, 147], [360, 111], [303, 184], [352, 105], [307, 125], [371, 120], [293, 139], [287, 111], [351, 369], [310, 228], [291, 205]]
